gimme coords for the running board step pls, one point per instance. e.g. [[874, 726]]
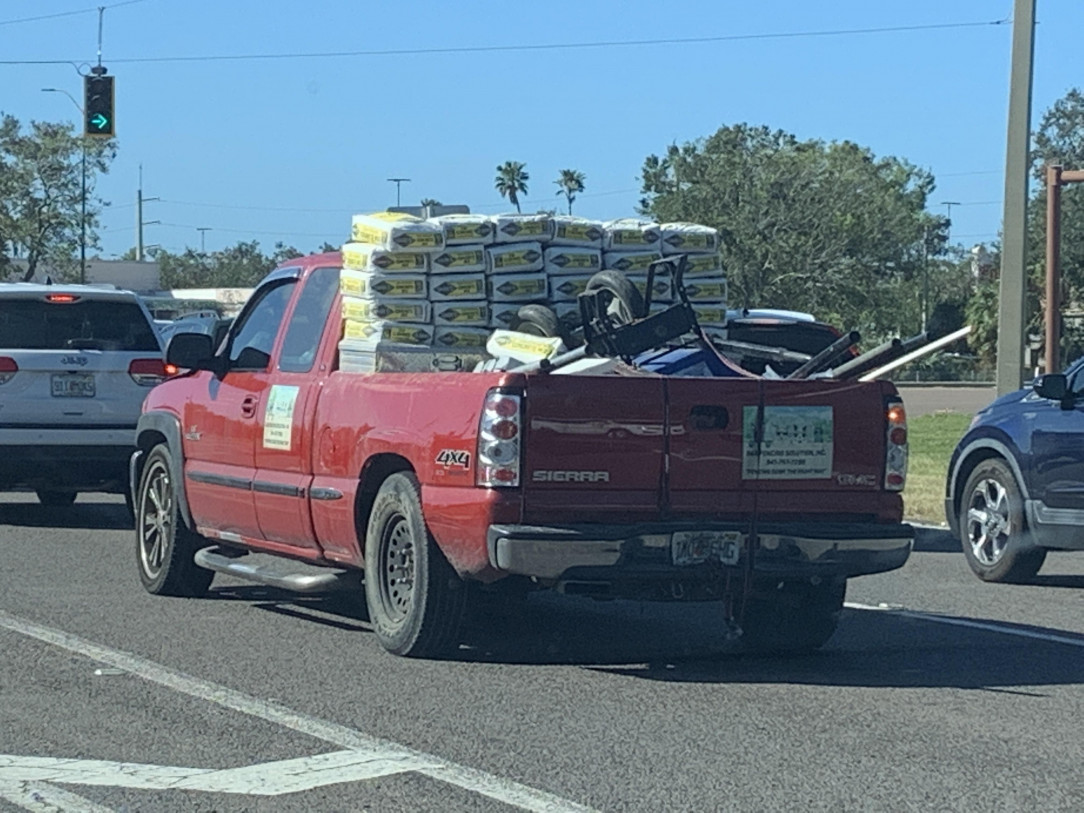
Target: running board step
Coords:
[[277, 571]]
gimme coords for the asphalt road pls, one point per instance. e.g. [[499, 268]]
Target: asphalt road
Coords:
[[925, 400], [937, 693]]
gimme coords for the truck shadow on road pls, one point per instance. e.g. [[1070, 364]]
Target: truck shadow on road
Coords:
[[106, 516]]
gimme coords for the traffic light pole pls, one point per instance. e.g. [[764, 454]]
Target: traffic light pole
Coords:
[[83, 220]]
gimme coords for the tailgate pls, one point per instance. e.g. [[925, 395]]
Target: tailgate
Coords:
[[821, 454], [595, 448]]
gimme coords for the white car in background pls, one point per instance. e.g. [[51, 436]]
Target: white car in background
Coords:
[[76, 362]]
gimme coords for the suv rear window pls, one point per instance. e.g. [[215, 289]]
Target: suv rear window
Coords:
[[28, 324]]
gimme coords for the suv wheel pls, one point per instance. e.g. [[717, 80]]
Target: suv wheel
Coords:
[[994, 535], [165, 546]]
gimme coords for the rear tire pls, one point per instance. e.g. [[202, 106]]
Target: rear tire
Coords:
[[165, 546], [627, 303], [416, 600], [55, 498], [993, 532], [795, 618]]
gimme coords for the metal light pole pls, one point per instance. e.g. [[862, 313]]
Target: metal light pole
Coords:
[[398, 185], [948, 204], [83, 196], [203, 238]]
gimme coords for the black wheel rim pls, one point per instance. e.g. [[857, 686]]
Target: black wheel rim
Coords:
[[396, 568], [155, 518]]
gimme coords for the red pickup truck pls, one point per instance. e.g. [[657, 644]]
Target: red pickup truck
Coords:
[[264, 460]]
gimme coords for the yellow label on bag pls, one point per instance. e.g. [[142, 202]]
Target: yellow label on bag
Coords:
[[362, 259], [459, 287], [369, 310], [385, 331]]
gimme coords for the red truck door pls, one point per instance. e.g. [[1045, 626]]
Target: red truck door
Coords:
[[221, 425], [284, 437]]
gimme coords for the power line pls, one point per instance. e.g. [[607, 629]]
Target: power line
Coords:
[[255, 231], [67, 13], [553, 46]]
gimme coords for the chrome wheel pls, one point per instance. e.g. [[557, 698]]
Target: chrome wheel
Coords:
[[397, 568], [989, 522], [155, 518]]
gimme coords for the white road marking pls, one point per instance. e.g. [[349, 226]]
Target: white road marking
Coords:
[[495, 787], [264, 779], [42, 798], [988, 626]]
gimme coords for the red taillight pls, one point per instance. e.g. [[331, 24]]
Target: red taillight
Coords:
[[895, 445], [147, 372], [498, 441], [172, 369], [8, 368], [61, 299]]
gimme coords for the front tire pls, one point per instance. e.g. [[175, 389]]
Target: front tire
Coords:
[[416, 600], [165, 546], [792, 618], [993, 532]]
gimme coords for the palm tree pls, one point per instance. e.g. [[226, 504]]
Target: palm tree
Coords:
[[430, 202], [571, 182], [512, 180]]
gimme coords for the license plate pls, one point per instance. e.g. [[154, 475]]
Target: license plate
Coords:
[[73, 385], [696, 547]]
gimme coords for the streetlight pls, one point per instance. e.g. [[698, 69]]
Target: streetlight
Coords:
[[949, 204], [203, 238], [83, 205], [398, 184]]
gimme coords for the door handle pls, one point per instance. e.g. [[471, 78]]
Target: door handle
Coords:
[[248, 406]]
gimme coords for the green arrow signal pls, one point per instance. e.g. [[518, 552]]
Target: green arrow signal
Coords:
[[99, 120]]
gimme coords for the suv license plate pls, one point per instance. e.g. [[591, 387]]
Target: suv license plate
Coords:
[[696, 547], [73, 385]]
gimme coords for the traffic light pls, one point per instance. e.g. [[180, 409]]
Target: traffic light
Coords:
[[98, 106]]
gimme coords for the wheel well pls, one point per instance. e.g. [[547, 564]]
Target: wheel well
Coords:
[[377, 469], [146, 441], [966, 467]]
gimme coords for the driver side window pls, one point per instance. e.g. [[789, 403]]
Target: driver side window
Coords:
[[255, 335]]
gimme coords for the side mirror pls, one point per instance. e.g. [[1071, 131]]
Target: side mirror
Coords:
[[1054, 386], [190, 351]]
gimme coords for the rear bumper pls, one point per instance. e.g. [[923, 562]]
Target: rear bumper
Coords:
[[643, 552], [79, 468]]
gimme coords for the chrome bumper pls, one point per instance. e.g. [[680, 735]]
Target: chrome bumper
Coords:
[[786, 551]]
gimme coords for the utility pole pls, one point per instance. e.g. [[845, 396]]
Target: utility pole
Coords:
[[140, 222], [925, 277], [948, 204], [1010, 322], [398, 185], [202, 238]]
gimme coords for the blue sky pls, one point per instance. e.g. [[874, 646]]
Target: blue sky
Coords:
[[288, 149]]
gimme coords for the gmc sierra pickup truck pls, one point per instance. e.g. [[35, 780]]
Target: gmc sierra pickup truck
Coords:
[[263, 459]]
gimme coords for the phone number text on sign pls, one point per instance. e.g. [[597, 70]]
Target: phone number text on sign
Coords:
[[797, 443]]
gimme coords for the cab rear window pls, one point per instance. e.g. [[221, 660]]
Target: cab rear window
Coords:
[[27, 324]]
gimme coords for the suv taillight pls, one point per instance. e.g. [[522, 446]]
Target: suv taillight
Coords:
[[8, 368], [895, 445], [499, 433], [147, 372]]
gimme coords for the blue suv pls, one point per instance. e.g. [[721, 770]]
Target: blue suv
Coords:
[[1015, 485]]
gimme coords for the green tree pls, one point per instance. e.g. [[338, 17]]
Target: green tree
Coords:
[[511, 181], [239, 266], [828, 228], [430, 202], [41, 194], [570, 183]]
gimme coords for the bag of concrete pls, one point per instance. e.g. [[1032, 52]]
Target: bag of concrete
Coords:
[[395, 231], [706, 289], [504, 314], [460, 259], [405, 358], [364, 335], [366, 257], [568, 314], [688, 238], [471, 314], [513, 257], [387, 310], [396, 285], [463, 230], [705, 265], [630, 234], [566, 287], [710, 314], [576, 231], [456, 337], [456, 287], [529, 287], [631, 262], [517, 228], [662, 289], [571, 260]]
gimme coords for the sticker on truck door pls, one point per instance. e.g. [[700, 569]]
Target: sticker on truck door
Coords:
[[797, 443], [278, 418]]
